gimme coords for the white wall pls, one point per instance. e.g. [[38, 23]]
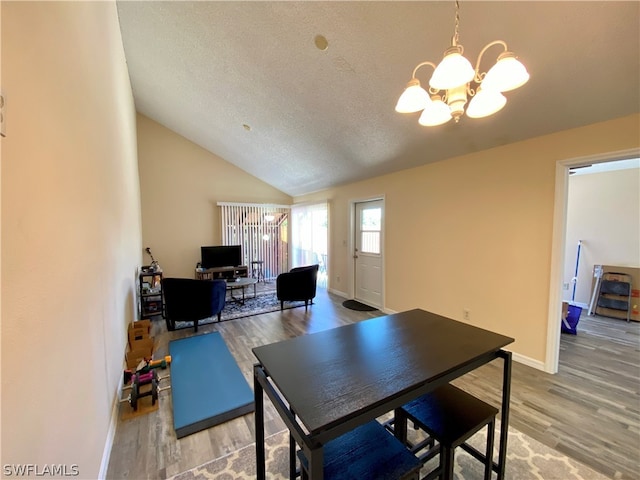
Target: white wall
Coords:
[[71, 227], [603, 210]]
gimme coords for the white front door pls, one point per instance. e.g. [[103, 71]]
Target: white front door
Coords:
[[368, 252]]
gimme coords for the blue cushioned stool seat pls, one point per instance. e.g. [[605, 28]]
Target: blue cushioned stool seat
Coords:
[[450, 416], [369, 451]]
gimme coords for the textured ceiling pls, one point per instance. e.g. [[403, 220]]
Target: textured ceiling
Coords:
[[324, 118]]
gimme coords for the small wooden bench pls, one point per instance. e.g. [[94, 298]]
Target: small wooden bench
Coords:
[[449, 416], [369, 451]]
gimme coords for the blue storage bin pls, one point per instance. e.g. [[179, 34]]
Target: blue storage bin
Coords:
[[570, 324]]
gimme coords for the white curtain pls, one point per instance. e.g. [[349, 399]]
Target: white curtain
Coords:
[[262, 231], [309, 234]]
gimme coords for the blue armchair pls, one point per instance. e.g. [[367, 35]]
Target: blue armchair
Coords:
[[298, 284], [190, 300]]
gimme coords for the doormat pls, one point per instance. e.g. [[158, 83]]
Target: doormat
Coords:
[[207, 386], [355, 305]]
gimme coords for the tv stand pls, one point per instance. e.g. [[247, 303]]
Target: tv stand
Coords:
[[224, 273]]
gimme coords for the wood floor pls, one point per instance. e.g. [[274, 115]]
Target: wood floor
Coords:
[[590, 410]]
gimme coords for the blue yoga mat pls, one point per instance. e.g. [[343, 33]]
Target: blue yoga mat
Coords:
[[207, 386]]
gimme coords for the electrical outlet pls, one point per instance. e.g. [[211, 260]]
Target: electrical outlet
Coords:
[[466, 314], [338, 278], [565, 286]]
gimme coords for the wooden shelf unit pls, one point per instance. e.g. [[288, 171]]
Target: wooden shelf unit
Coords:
[[151, 300], [223, 273]]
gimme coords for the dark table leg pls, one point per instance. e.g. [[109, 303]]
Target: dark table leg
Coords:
[[316, 461], [446, 462], [400, 425], [504, 418], [292, 451], [259, 417]]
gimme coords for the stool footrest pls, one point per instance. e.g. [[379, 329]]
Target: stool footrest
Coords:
[[478, 455]]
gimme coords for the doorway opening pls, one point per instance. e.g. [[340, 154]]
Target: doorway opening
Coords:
[[559, 246]]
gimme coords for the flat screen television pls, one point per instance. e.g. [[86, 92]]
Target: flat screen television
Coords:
[[221, 256]]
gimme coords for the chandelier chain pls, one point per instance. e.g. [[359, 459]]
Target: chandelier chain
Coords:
[[456, 31]]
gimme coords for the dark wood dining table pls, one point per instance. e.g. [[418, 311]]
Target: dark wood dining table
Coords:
[[325, 384]]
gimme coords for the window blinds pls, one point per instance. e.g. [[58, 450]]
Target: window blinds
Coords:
[[262, 231]]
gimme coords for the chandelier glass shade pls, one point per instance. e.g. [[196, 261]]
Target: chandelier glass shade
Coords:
[[506, 75], [413, 99], [454, 81], [485, 103], [435, 113], [454, 70]]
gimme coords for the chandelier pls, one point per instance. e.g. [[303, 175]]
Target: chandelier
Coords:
[[454, 80]]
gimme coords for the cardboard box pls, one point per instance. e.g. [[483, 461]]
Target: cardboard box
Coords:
[[139, 331], [141, 325], [140, 349], [634, 272]]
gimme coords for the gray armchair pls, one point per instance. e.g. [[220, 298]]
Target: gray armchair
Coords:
[[190, 300], [298, 284]]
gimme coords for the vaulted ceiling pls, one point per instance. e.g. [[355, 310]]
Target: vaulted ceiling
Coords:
[[245, 80]]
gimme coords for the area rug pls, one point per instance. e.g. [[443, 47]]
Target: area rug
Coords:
[[207, 385], [355, 305], [264, 302], [527, 459]]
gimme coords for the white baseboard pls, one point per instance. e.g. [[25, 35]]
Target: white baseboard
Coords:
[[338, 292], [111, 434], [530, 362]]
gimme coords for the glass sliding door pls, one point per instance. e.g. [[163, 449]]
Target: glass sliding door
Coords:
[[309, 233]]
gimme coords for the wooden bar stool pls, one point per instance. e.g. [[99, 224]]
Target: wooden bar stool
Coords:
[[369, 451], [449, 416]]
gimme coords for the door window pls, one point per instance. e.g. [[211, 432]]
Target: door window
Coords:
[[370, 227]]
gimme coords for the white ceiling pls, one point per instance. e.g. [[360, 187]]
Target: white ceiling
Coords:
[[325, 118]]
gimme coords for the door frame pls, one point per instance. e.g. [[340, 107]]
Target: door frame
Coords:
[[558, 245], [351, 246]]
